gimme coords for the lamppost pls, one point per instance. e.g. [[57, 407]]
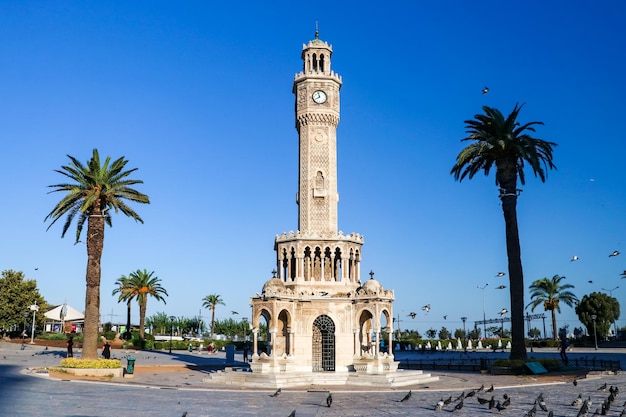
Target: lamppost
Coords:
[[528, 319], [464, 320], [595, 335], [611, 295], [172, 318], [484, 317], [34, 308]]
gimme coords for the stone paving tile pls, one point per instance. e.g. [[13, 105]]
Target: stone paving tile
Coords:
[[172, 394]]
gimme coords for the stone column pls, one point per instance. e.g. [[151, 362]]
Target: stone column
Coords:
[[273, 332], [356, 348], [255, 340], [377, 344], [291, 333], [390, 341]]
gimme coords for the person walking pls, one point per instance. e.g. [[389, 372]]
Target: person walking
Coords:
[[563, 348], [106, 350], [70, 345]]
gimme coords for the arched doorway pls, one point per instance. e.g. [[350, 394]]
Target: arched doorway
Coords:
[[323, 344]]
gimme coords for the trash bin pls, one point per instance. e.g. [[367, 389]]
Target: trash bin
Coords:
[[130, 367], [190, 347]]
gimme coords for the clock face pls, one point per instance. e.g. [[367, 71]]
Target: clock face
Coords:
[[319, 97]]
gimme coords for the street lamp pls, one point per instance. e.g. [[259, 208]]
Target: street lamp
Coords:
[[464, 334], [484, 317], [611, 295], [172, 318], [595, 335], [528, 319], [34, 308]]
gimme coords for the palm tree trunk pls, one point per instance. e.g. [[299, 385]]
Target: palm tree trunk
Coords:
[[142, 316], [516, 276], [212, 321], [128, 325], [554, 332], [95, 243]]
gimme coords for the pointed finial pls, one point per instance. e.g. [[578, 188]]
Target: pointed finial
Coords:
[[274, 273], [371, 274], [317, 32]]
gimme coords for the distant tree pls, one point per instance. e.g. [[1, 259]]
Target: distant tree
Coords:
[[141, 285], [534, 333], [475, 333], [550, 292], [92, 191], [459, 334], [18, 294], [604, 307], [431, 333], [444, 334], [211, 301], [160, 322], [506, 144]]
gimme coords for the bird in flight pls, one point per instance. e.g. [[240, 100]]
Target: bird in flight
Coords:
[[574, 258], [500, 274], [445, 317], [485, 90], [503, 312], [500, 287], [590, 281], [615, 253], [426, 308], [233, 312], [412, 314]]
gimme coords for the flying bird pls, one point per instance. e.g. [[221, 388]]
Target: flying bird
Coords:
[[233, 312], [277, 393], [503, 312], [426, 308], [445, 317], [615, 253], [406, 397], [485, 90], [590, 281], [574, 258], [329, 400], [500, 287], [500, 274], [412, 315]]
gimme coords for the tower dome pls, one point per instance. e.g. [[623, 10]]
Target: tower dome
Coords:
[[371, 285], [273, 285]]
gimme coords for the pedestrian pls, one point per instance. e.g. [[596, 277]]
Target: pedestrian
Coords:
[[245, 353], [106, 350], [563, 348], [70, 345]]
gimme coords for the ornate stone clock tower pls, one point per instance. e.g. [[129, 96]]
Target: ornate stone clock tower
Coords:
[[320, 318]]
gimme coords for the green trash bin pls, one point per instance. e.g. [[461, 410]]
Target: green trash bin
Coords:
[[130, 367]]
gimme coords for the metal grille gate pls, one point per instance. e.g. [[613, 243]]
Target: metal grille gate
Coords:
[[323, 344]]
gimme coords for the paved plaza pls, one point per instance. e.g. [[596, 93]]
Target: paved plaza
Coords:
[[174, 384]]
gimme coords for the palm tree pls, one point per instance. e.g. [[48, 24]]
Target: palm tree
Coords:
[[211, 301], [550, 293], [93, 190], [142, 284], [507, 145], [123, 289]]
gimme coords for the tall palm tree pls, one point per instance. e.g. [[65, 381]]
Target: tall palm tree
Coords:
[[143, 284], [211, 301], [93, 189], [550, 292], [507, 145], [123, 289]]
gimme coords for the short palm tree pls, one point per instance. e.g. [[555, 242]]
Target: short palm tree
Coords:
[[93, 189], [550, 292], [124, 294], [141, 285], [211, 301], [507, 145]]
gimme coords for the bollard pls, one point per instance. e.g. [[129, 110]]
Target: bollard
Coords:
[[130, 367]]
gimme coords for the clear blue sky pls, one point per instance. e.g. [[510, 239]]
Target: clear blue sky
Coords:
[[197, 95]]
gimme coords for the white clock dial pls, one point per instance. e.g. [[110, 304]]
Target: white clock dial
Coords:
[[319, 97]]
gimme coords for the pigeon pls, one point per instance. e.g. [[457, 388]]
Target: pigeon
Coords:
[[542, 404], [460, 397], [482, 401], [447, 401], [184, 414], [277, 393], [492, 403], [470, 394], [292, 414], [500, 407], [445, 317], [500, 274], [485, 90], [482, 388], [329, 400], [503, 312], [500, 287], [551, 413], [578, 402], [406, 397], [439, 405], [575, 382], [458, 406], [615, 253], [412, 315], [490, 389], [426, 308], [505, 396], [602, 387], [574, 258]]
